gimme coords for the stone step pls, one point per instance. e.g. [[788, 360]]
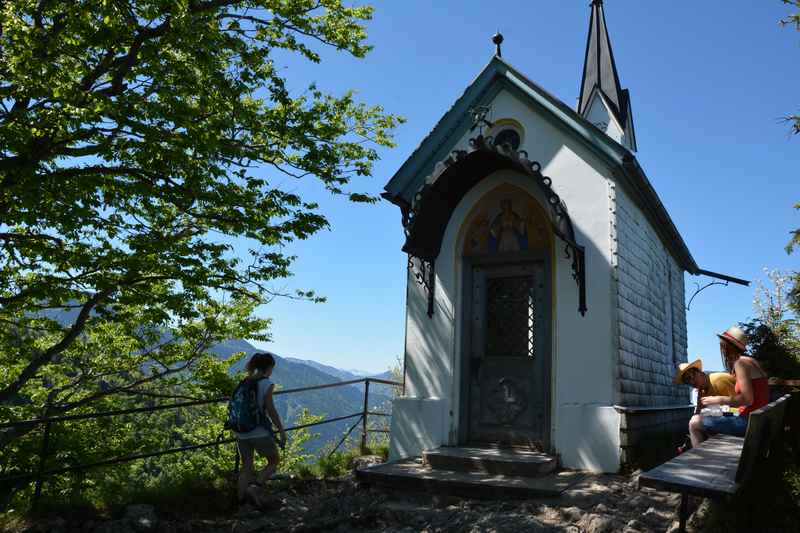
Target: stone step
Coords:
[[415, 476], [506, 461]]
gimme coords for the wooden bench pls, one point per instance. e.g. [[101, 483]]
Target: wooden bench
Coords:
[[722, 464]]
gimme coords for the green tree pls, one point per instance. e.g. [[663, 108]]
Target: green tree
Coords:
[[794, 20], [774, 333], [139, 140]]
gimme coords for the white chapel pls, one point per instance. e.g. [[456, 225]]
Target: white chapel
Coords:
[[545, 291]]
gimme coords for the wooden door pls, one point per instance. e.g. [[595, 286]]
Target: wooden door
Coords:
[[509, 355]]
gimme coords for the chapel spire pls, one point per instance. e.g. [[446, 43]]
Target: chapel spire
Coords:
[[600, 78]]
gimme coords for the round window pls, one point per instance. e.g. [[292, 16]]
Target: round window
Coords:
[[508, 136]]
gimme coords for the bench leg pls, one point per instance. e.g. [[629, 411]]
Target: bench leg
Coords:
[[684, 511]]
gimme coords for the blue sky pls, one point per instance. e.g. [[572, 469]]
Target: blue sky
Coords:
[[709, 82]]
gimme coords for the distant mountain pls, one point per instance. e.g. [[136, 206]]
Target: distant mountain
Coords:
[[377, 389], [229, 347], [344, 375]]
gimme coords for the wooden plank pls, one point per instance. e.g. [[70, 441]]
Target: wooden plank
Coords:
[[708, 470]]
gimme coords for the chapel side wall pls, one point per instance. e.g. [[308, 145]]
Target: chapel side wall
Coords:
[[650, 308], [652, 340]]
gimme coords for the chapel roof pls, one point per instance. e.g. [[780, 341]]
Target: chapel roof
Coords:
[[497, 75]]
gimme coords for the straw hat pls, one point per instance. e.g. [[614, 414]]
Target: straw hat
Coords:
[[735, 336], [685, 367]]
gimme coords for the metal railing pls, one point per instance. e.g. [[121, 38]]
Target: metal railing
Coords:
[[41, 473]]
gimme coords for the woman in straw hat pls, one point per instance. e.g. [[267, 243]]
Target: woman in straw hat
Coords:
[[750, 393]]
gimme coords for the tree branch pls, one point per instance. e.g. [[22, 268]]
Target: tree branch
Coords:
[[45, 357]]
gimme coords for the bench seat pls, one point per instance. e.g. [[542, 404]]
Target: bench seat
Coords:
[[721, 464], [708, 470]]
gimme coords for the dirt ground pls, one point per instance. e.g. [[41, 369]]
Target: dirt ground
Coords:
[[598, 504]]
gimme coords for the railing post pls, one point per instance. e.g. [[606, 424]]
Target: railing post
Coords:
[[364, 418], [235, 498], [37, 493]]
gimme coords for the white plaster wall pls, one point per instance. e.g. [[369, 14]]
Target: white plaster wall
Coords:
[[652, 319], [417, 424], [595, 434], [584, 347], [599, 115]]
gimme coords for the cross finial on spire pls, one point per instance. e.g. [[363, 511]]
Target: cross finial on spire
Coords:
[[497, 39]]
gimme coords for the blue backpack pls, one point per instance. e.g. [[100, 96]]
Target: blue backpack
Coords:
[[244, 412]]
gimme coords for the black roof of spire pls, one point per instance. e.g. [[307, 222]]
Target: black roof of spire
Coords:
[[599, 68]]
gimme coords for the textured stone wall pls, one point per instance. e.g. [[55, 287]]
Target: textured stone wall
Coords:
[[651, 334], [649, 437]]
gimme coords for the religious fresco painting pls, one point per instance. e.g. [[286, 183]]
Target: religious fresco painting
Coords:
[[506, 220]]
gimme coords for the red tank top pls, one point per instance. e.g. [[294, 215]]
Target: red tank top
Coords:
[[760, 395]]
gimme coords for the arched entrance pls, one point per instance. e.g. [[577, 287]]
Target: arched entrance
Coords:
[[506, 355]]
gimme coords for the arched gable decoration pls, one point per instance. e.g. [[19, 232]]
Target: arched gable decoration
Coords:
[[433, 204]]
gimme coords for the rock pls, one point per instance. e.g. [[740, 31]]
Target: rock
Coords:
[[253, 525], [634, 501], [595, 523], [601, 509], [114, 526], [573, 514], [366, 461], [652, 517], [699, 517], [634, 526], [444, 500], [141, 517]]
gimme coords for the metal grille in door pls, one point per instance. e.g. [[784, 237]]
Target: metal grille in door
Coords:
[[510, 316]]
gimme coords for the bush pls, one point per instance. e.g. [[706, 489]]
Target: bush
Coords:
[[776, 346], [337, 464]]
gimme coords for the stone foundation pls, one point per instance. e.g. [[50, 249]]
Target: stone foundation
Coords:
[[649, 435]]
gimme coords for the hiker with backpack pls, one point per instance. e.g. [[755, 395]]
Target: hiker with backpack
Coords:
[[251, 413]]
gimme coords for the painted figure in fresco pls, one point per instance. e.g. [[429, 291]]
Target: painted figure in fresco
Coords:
[[535, 228], [478, 240], [508, 232]]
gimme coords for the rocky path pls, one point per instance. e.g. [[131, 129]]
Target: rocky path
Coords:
[[598, 504]]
